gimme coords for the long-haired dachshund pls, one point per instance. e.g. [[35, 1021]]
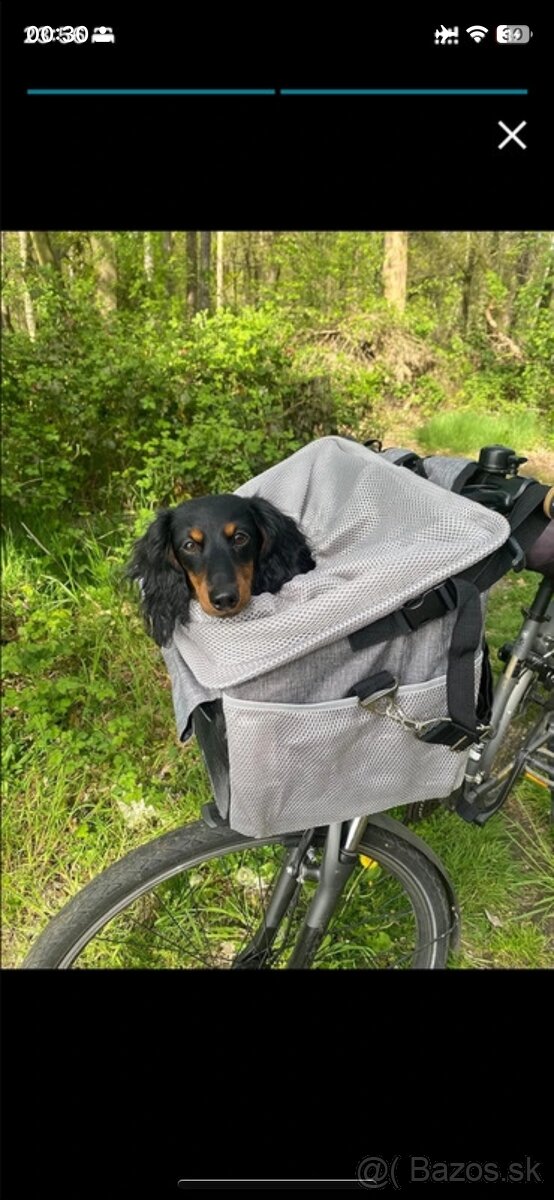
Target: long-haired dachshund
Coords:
[[219, 550]]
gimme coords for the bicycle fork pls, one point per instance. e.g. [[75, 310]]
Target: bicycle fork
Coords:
[[338, 862], [339, 859]]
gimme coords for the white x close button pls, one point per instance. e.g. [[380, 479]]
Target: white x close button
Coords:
[[512, 135]]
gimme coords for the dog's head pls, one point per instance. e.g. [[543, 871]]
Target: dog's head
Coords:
[[219, 550]]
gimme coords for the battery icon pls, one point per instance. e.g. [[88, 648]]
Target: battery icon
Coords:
[[513, 34]]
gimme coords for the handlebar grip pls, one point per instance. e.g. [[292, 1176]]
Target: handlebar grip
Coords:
[[548, 503]]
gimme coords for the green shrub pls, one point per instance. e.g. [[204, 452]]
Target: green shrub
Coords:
[[96, 413]]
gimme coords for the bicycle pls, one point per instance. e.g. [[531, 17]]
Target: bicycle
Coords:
[[362, 893]]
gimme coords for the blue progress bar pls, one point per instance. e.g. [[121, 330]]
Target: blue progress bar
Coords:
[[273, 91], [151, 91], [404, 91]]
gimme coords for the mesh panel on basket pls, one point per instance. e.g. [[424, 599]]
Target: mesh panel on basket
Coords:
[[325, 763], [380, 536]]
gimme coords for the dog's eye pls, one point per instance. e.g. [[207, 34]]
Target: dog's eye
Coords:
[[240, 539], [190, 547]]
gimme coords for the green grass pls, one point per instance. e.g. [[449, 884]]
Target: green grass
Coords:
[[535, 847], [465, 431], [92, 766], [505, 921]]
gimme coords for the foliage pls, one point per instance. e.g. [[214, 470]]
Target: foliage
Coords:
[[97, 413], [124, 401]]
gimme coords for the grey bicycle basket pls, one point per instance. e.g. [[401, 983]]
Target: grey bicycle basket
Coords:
[[266, 691]]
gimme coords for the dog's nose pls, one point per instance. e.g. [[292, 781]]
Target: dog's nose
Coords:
[[224, 600]]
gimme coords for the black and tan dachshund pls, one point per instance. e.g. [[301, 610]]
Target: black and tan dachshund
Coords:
[[219, 550]]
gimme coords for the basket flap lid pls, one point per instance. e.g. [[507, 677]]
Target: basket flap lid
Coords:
[[380, 536]]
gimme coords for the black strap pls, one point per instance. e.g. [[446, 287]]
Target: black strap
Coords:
[[374, 687], [412, 462], [528, 509], [407, 457], [466, 640], [486, 687], [415, 613], [464, 476], [463, 728]]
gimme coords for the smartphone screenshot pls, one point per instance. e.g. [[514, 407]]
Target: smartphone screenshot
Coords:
[[278, 598]]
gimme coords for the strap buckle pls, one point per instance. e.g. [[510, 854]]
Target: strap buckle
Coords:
[[435, 602], [454, 735]]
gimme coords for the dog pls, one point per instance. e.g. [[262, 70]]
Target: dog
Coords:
[[218, 550]]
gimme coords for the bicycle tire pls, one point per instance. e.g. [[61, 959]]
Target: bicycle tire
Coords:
[[110, 894], [414, 813]]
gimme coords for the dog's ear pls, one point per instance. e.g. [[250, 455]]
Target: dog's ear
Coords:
[[284, 551], [164, 585]]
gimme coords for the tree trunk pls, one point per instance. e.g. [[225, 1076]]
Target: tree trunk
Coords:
[[395, 269], [519, 278], [219, 270], [192, 273], [524, 265], [467, 282], [547, 292], [103, 251], [501, 340], [77, 257], [204, 273], [258, 260], [235, 269], [44, 249], [27, 302], [148, 257], [271, 270], [6, 316], [495, 248], [167, 247], [248, 267]]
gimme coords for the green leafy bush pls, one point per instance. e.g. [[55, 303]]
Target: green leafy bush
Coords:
[[96, 412]]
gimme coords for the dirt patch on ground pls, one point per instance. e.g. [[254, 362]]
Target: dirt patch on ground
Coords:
[[401, 430], [540, 464]]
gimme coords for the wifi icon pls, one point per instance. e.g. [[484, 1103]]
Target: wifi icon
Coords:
[[477, 32]]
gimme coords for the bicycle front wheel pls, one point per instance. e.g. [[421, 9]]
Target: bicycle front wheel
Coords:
[[197, 897]]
